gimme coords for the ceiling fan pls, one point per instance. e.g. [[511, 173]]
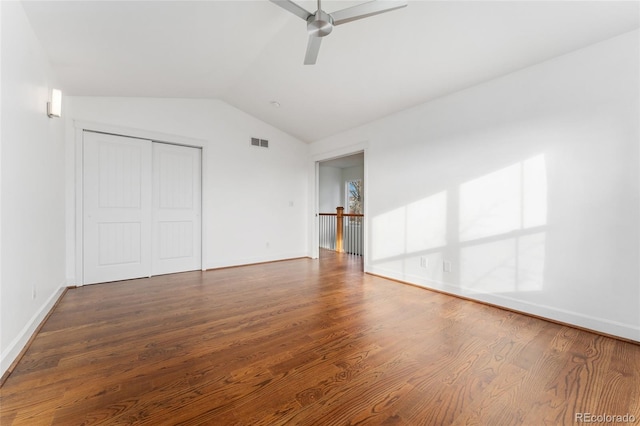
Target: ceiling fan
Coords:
[[320, 23]]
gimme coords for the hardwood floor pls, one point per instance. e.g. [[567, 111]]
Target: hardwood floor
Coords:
[[310, 343]]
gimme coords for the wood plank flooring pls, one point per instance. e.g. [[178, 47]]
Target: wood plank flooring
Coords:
[[308, 342]]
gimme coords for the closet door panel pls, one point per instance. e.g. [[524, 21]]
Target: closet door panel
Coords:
[[116, 207], [176, 209]]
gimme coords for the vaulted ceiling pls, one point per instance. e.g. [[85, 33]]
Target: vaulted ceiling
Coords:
[[250, 53]]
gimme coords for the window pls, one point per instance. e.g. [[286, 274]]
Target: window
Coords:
[[354, 196]]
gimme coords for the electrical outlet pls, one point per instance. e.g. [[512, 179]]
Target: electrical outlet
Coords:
[[446, 265], [424, 262]]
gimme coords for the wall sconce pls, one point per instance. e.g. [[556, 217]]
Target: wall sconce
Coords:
[[54, 107]]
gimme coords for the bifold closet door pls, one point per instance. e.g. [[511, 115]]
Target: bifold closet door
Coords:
[[141, 207], [176, 209], [116, 207]]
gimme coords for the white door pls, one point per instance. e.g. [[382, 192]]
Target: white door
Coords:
[[141, 207], [176, 209], [116, 207]]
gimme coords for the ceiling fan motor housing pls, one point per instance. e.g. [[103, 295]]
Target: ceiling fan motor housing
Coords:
[[319, 24]]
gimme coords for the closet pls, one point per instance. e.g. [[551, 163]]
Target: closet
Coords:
[[141, 208]]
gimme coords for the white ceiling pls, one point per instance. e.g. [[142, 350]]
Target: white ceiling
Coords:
[[248, 53]]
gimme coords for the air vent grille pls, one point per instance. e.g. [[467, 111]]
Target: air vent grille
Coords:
[[263, 143]]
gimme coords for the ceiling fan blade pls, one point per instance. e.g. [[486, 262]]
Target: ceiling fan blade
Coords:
[[313, 48], [365, 10], [293, 8]]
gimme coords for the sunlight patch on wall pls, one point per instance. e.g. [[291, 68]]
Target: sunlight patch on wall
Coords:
[[504, 266], [490, 205], [500, 212], [505, 200], [389, 231], [495, 242], [416, 227], [427, 223], [534, 192]]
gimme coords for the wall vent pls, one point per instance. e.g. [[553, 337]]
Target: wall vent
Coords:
[[264, 143]]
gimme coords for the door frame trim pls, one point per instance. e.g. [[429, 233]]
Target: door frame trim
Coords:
[[79, 128]]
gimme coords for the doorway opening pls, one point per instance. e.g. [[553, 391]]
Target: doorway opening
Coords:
[[341, 217]]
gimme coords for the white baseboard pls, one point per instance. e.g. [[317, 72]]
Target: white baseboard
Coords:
[[14, 349], [225, 263], [590, 322]]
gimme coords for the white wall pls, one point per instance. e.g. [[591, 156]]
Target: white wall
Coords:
[[528, 184], [332, 186], [255, 199], [32, 187], [331, 182], [353, 173]]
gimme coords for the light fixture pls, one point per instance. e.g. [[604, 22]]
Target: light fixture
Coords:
[[54, 107]]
